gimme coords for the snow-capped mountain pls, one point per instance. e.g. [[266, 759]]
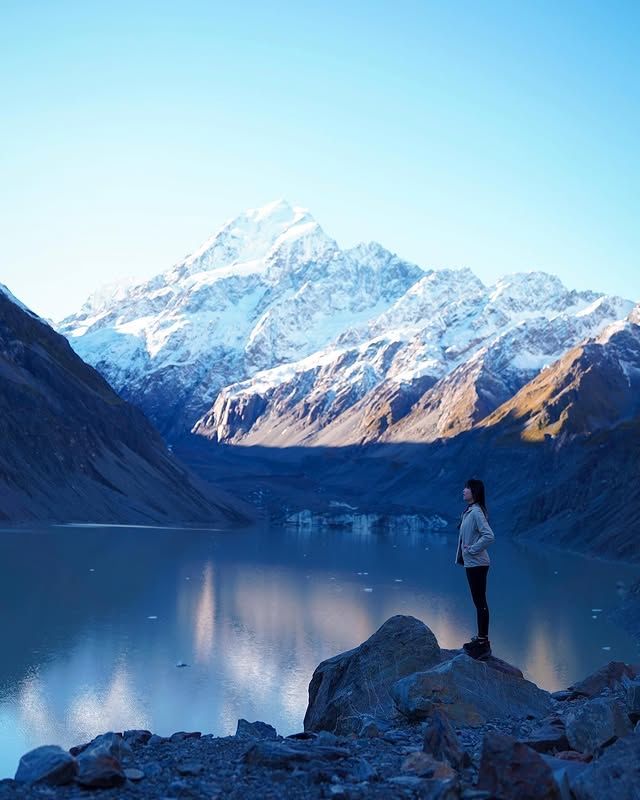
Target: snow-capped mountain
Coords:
[[442, 357], [270, 287], [594, 386], [270, 333]]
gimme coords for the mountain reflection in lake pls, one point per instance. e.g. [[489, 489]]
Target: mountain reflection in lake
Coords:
[[95, 619]]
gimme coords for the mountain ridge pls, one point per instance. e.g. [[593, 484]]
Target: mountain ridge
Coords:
[[271, 296]]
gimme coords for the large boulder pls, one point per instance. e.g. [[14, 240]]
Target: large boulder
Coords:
[[597, 722], [470, 692], [98, 770], [111, 744], [615, 774], [615, 675], [255, 730], [512, 771], [347, 689], [48, 764]]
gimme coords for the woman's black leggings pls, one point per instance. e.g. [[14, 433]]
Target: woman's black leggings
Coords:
[[477, 577]]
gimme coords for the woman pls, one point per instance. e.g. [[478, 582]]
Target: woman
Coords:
[[474, 538]]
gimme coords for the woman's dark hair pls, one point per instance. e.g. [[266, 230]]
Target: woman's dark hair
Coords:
[[476, 487]]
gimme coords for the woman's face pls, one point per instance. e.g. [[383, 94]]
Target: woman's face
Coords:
[[466, 495]]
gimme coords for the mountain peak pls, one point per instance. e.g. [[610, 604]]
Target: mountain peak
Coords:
[[252, 235]]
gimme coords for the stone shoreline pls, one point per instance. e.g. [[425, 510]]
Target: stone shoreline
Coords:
[[426, 733]]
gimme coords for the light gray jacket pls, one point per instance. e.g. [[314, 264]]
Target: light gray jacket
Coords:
[[476, 533]]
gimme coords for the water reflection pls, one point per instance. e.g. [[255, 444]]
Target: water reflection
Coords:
[[96, 623]]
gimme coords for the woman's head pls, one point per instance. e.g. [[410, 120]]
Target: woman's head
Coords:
[[474, 493]]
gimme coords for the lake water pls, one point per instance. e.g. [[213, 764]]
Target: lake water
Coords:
[[95, 620]]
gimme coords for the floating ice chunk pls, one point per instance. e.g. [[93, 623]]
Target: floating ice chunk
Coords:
[[368, 589], [398, 580], [596, 610], [606, 647], [152, 616]]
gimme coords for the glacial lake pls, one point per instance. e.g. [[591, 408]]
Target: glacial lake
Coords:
[[95, 620]]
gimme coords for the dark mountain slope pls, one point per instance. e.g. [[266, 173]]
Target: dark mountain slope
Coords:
[[72, 450]]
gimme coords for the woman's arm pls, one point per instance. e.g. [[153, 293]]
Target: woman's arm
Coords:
[[486, 534]]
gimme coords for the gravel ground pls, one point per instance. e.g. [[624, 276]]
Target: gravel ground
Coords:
[[325, 766]]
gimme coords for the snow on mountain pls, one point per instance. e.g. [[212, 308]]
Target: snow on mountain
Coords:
[[269, 287], [634, 316], [269, 332], [593, 386], [443, 356]]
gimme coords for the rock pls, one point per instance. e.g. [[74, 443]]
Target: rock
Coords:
[[135, 737], [549, 735], [394, 736], [155, 739], [278, 755], [597, 722], [181, 788], [441, 741], [361, 770], [615, 774], [98, 770], [469, 692], [152, 769], [573, 755], [570, 767], [503, 666], [255, 730], [134, 774], [372, 727], [356, 683], [633, 700], [325, 737], [563, 694], [512, 771], [426, 789], [110, 744], [412, 781], [181, 736], [614, 675], [47, 764], [426, 766], [189, 767]]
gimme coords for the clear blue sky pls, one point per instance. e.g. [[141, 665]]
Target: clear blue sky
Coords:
[[498, 136]]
